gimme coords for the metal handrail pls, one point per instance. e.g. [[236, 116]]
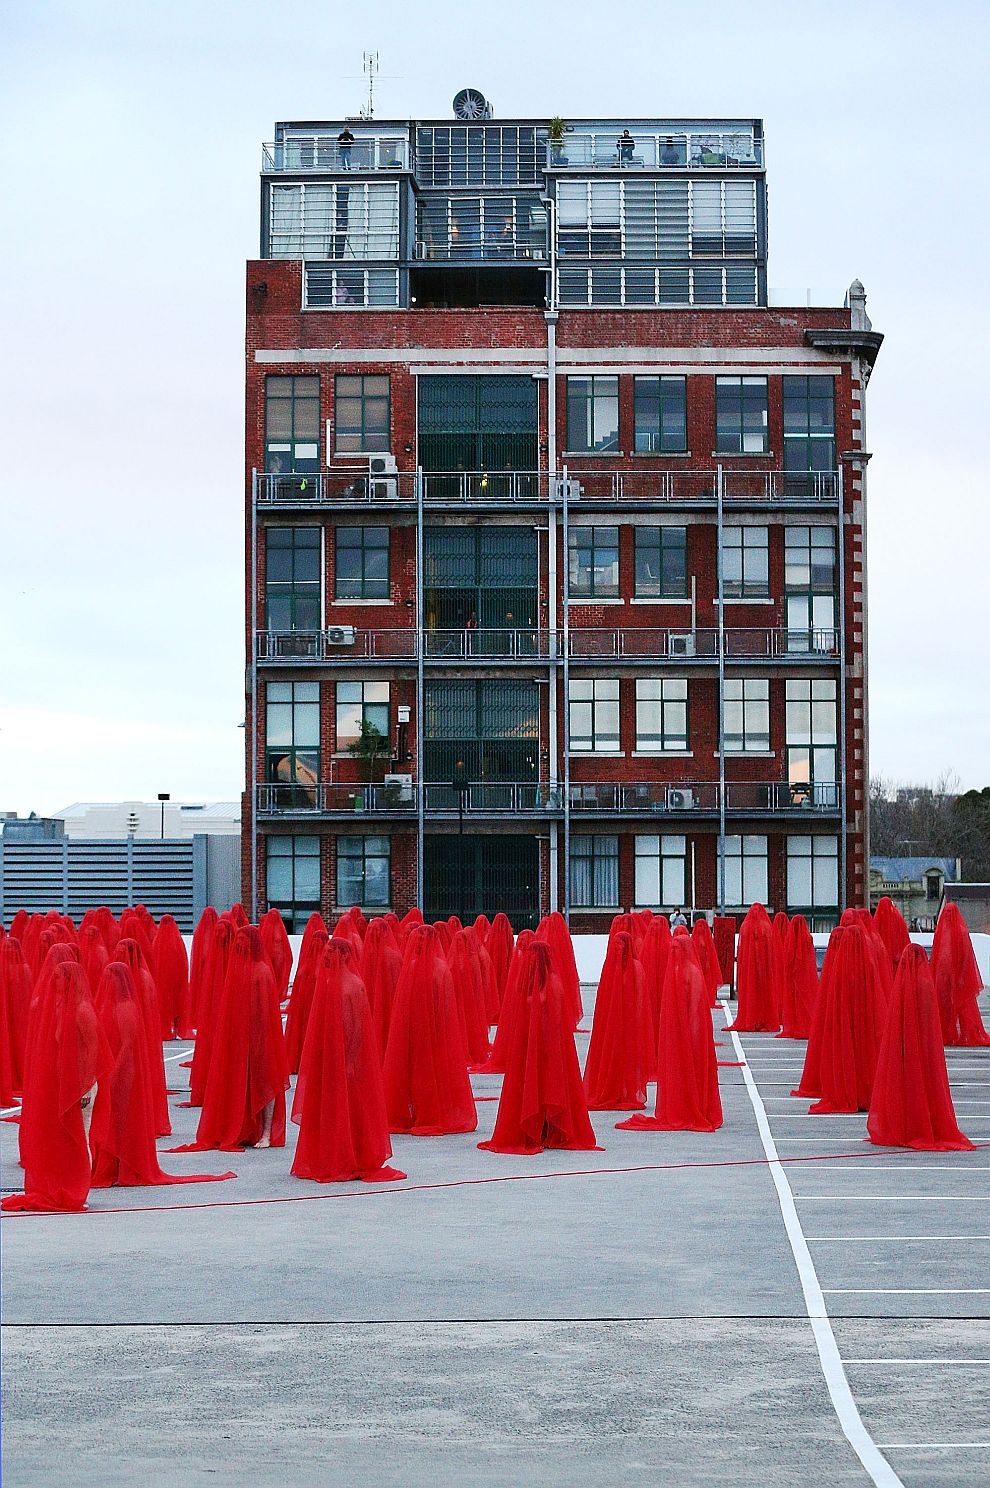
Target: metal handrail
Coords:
[[482, 248], [486, 485], [663, 150], [775, 486], [321, 153]]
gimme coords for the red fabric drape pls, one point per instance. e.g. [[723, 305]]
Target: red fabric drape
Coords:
[[128, 951], [892, 930], [620, 1053], [512, 1004], [911, 1103], [69, 1057], [172, 980], [724, 935], [199, 957], [339, 1102], [278, 950], [214, 975], [427, 1088], [800, 984], [704, 949], [553, 929], [465, 968], [687, 1072], [15, 990], [499, 947], [314, 942], [381, 963], [957, 981], [845, 1033], [542, 1103], [758, 976]]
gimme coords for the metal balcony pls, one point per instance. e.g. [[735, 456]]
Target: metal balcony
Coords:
[[701, 798], [486, 487], [354, 487], [681, 644], [582, 150], [322, 155], [700, 487]]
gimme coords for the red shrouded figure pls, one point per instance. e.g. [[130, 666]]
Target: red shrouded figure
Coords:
[[278, 950], [199, 956], [553, 929], [892, 930], [542, 1102], [15, 990], [957, 981], [687, 1070], [499, 944], [123, 1131], [172, 980], [465, 967], [210, 992], [427, 1088], [800, 980], [704, 949], [911, 1104], [381, 964], [758, 977], [244, 1104], [128, 951], [69, 1058], [512, 1005], [620, 1054], [314, 942], [845, 1034], [339, 1101]]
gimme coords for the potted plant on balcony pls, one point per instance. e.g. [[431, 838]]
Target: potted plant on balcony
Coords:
[[370, 749], [555, 134]]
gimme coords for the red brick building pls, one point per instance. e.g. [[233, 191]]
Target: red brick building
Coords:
[[555, 530]]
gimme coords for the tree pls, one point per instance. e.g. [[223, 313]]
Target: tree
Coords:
[[370, 748], [932, 820]]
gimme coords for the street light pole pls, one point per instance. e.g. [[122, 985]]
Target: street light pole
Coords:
[[163, 796]]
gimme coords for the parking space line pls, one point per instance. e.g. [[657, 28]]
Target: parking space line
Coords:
[[931, 1446], [906, 1291], [917, 1361], [879, 1470], [859, 1239]]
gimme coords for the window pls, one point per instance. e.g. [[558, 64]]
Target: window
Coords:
[[594, 872], [592, 414], [809, 423], [474, 227], [594, 714], [812, 873], [358, 220], [740, 415], [485, 424], [479, 155], [327, 288], [660, 871], [809, 584], [661, 563], [492, 726], [747, 715], [361, 563], [589, 219], [361, 703], [292, 424], [812, 742], [735, 284], [661, 713], [292, 579], [361, 410], [723, 218], [933, 887], [660, 414], [746, 563], [363, 872], [593, 568], [292, 741], [292, 878], [745, 871]]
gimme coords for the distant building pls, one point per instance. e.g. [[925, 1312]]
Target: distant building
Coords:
[[973, 900], [14, 828], [916, 885], [144, 819]]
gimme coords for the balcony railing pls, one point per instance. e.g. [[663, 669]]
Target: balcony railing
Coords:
[[342, 643], [534, 798], [498, 486], [323, 154], [758, 486], [343, 487], [611, 150], [499, 249]]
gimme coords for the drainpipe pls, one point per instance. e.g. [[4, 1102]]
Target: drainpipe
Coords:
[[253, 745], [552, 638]]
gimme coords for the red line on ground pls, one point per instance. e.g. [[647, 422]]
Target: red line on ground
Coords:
[[366, 1193]]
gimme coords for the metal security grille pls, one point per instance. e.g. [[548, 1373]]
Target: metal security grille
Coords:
[[468, 876], [477, 423], [481, 585], [493, 727]]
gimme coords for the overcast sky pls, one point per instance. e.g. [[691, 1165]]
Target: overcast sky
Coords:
[[132, 137]]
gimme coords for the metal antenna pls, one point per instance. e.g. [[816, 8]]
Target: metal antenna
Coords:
[[369, 66]]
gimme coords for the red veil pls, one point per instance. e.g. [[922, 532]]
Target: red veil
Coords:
[[800, 980], [687, 1071], [172, 980], [248, 1069], [278, 949], [15, 990], [339, 1102], [621, 1054], [554, 931], [69, 1056], [757, 975], [845, 1033], [427, 1089], [199, 957], [123, 1132], [513, 1003], [381, 964], [465, 968], [128, 951], [957, 980], [911, 1104], [314, 942], [214, 974], [542, 1102], [499, 945], [704, 949], [890, 926]]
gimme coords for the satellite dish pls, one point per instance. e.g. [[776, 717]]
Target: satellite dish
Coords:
[[470, 104]]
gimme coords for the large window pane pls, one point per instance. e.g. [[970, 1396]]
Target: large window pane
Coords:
[[592, 414]]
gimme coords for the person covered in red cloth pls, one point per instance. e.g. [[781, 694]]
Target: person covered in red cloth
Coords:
[[845, 1034], [68, 1060], [15, 990], [427, 1088], [381, 964], [278, 949], [553, 929], [129, 952], [339, 1102], [958, 982], [758, 976], [214, 976], [314, 942], [542, 1104], [172, 980], [620, 1054], [513, 1003], [704, 949], [199, 956], [687, 1070], [892, 929], [465, 968], [800, 981], [499, 945], [911, 1104], [244, 1104], [93, 954], [122, 1136], [654, 955]]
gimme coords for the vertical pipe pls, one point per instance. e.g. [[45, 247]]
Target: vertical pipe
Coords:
[[719, 496], [564, 489], [420, 787], [253, 736], [552, 646], [841, 617]]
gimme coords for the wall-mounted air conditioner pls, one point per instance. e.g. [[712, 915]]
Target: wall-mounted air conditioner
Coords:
[[383, 477], [682, 644], [401, 786], [679, 798], [341, 635]]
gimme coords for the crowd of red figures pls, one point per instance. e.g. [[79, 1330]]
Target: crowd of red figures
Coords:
[[387, 1020]]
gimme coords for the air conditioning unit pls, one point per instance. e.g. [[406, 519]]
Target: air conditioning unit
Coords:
[[385, 464], [341, 635], [383, 478], [679, 798], [682, 644], [401, 785], [571, 490]]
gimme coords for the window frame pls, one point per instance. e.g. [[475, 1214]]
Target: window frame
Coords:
[[364, 434], [296, 589], [363, 548], [379, 854], [290, 444], [600, 737], [667, 389], [734, 406], [739, 862], [296, 696], [669, 737], [743, 587], [662, 857], [601, 864], [295, 904], [583, 395], [815, 855], [753, 738], [663, 539], [578, 543], [372, 710]]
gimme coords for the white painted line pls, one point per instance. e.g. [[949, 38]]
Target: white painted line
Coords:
[[916, 1361], [902, 1167], [858, 1239], [822, 1115], [902, 1198], [930, 1446], [906, 1291], [10, 1111], [182, 1054], [879, 1470]]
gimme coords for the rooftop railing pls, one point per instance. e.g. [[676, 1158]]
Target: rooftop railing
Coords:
[[612, 149], [324, 154], [530, 797], [498, 249]]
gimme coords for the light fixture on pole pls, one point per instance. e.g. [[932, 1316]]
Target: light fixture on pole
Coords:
[[163, 796]]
